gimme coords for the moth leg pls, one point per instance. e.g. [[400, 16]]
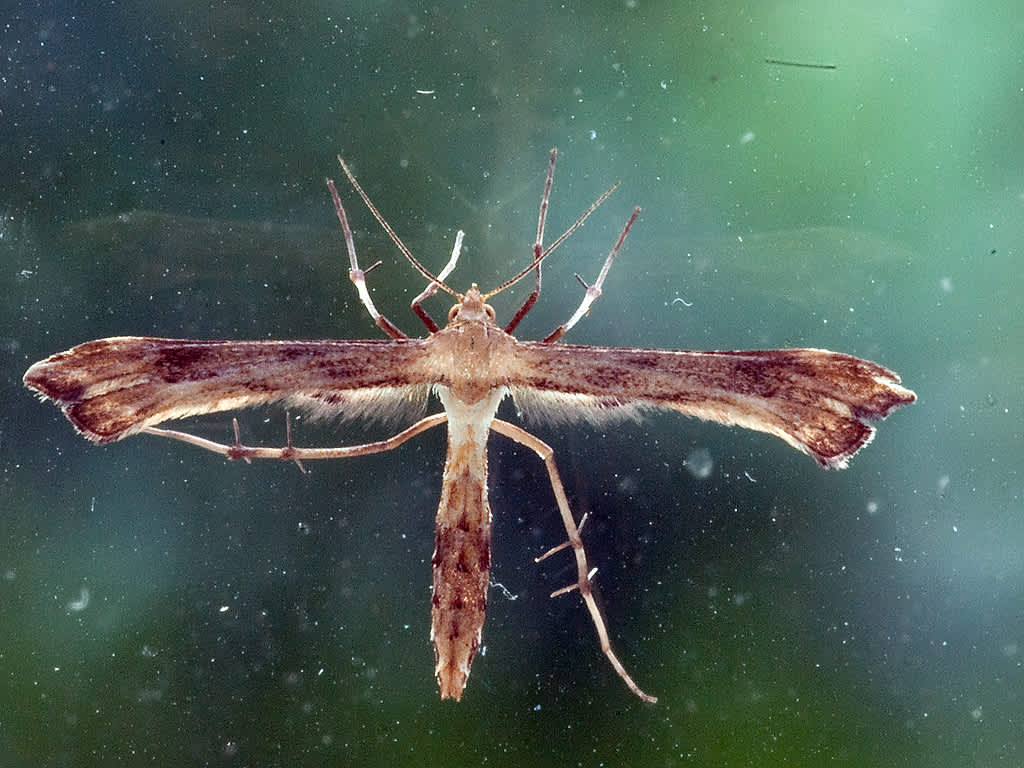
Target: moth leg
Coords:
[[357, 275], [540, 256], [291, 453], [431, 288], [593, 292], [538, 248], [545, 452]]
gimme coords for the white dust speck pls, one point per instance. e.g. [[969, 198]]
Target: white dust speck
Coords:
[[699, 463], [79, 605]]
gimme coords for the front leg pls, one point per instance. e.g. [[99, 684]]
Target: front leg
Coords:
[[593, 292], [357, 275], [431, 289]]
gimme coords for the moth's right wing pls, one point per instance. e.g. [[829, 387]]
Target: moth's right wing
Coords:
[[818, 401]]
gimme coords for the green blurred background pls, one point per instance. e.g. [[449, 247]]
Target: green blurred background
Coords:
[[163, 173]]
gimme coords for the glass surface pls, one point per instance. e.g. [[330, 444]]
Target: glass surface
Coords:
[[163, 174]]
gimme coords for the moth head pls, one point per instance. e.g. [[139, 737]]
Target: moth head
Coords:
[[471, 307]]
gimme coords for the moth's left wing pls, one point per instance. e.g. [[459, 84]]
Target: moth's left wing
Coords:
[[115, 387], [816, 400]]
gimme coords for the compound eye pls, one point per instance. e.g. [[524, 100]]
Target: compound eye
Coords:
[[453, 312], [490, 311]]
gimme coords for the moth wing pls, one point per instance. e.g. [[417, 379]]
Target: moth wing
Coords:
[[115, 387], [816, 400]]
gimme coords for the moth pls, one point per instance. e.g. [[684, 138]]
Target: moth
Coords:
[[816, 400]]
